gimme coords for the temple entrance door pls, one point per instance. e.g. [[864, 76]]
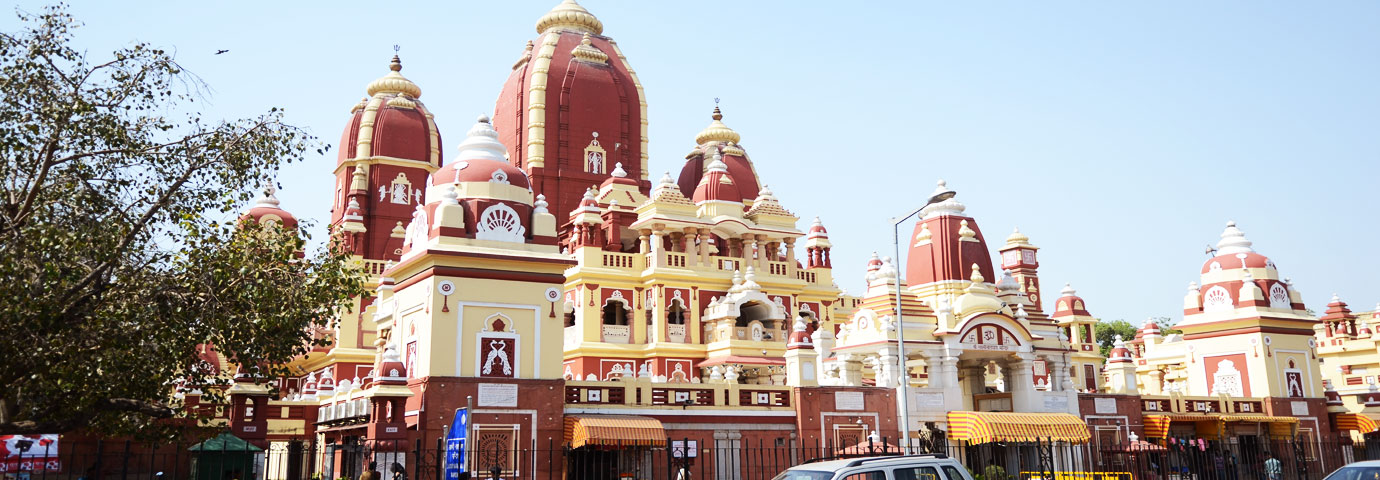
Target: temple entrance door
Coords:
[[1108, 439], [591, 463], [1248, 454]]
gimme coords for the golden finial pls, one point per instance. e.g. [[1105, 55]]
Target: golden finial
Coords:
[[570, 16], [717, 131], [394, 82]]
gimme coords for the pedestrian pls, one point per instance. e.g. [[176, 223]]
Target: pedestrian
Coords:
[[1219, 463], [398, 472], [1273, 469], [372, 473]]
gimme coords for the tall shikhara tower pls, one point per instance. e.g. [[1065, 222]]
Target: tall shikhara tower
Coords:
[[572, 110], [389, 147]]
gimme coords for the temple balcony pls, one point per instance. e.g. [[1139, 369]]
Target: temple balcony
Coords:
[[648, 393]]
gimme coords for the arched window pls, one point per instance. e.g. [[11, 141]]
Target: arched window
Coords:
[[615, 313], [675, 314], [753, 311]]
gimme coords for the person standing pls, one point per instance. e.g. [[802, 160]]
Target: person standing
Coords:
[[1273, 469], [372, 473]]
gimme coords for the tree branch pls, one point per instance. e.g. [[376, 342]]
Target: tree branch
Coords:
[[129, 405]]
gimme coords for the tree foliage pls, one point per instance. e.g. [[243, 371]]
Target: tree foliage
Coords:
[[122, 256], [1105, 333]]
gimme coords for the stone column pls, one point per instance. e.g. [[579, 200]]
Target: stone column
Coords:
[[851, 371], [727, 463], [1020, 382], [975, 379], [944, 371], [691, 254], [790, 257], [1156, 386], [704, 246], [642, 245], [1058, 369], [658, 246], [886, 368]]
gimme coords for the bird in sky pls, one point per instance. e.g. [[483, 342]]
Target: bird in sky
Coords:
[[218, 52]]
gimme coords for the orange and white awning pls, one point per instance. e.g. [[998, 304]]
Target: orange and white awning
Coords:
[[614, 431], [984, 427], [1157, 426], [1355, 421]]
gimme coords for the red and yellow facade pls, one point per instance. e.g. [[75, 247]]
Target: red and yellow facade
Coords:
[[538, 276]]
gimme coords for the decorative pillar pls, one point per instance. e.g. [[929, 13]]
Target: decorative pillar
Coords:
[[975, 379], [790, 257], [945, 372], [851, 371], [1156, 386], [886, 371], [642, 245], [691, 255], [1021, 383], [658, 246], [704, 246]]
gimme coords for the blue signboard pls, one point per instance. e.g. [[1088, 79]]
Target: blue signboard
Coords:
[[455, 444]]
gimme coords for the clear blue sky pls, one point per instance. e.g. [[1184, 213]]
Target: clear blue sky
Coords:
[[1120, 136]]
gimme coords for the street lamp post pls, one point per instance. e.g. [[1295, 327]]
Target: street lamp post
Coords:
[[940, 194]]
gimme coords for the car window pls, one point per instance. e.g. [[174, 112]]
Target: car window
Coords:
[[1355, 473], [917, 473], [804, 475], [872, 475], [954, 473]]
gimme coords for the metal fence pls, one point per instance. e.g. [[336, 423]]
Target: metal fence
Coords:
[[1244, 458]]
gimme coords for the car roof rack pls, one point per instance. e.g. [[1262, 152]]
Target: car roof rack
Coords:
[[861, 461]]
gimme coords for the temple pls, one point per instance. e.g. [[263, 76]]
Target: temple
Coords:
[[537, 276]]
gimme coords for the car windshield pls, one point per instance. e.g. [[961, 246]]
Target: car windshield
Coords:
[[1355, 473], [804, 475]]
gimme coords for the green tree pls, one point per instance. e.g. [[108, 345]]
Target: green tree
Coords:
[[1166, 325], [122, 253], [1105, 333]]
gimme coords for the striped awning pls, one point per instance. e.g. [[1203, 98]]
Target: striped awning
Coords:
[[1191, 417], [1355, 421], [984, 427], [1258, 419], [1156, 426], [613, 431]]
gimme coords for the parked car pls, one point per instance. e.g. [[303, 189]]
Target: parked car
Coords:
[[930, 466], [1367, 470]]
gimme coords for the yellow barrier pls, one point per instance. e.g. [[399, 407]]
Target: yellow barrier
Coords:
[[1078, 476]]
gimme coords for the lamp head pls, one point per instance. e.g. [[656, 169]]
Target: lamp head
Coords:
[[941, 196]]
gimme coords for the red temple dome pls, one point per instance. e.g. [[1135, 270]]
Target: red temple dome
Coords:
[[717, 185], [946, 244], [391, 370], [1119, 352], [480, 160], [266, 209], [817, 230], [800, 336], [717, 140], [572, 108], [391, 122], [1234, 251], [1070, 303]]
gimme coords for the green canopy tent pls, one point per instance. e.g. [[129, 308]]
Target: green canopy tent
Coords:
[[223, 457]]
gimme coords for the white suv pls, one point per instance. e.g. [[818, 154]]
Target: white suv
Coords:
[[901, 467]]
